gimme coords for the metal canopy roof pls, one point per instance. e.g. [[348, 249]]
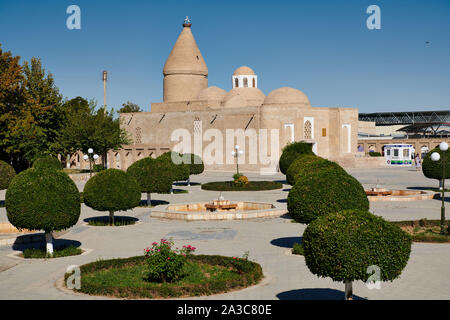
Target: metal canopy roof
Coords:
[[406, 118]]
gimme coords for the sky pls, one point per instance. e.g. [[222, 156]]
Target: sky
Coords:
[[321, 47]]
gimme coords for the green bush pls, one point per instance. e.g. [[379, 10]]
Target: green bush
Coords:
[[291, 152], [112, 190], [7, 173], [433, 169], [181, 171], [196, 165], [153, 175], [343, 245], [47, 162], [98, 167], [306, 164], [375, 154], [323, 192], [42, 200], [165, 264]]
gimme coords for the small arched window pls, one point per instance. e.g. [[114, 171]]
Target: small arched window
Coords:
[[308, 130], [254, 83], [245, 82], [236, 82]]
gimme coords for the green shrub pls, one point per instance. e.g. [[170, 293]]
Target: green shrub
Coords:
[[343, 245], [181, 171], [297, 248], [7, 173], [98, 167], [43, 200], [298, 165], [236, 176], [165, 264], [325, 192], [291, 152], [196, 165], [375, 154], [433, 169], [47, 162], [112, 190], [153, 175], [316, 166]]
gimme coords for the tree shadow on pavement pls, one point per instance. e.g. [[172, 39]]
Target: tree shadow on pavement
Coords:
[[21, 242], [315, 294], [287, 242]]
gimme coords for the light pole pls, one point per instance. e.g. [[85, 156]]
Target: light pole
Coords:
[[89, 157], [237, 153], [443, 146]]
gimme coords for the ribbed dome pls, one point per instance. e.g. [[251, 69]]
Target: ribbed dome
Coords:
[[287, 95], [212, 93], [250, 97], [243, 71], [185, 57]]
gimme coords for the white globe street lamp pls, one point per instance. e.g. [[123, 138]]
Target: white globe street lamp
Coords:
[[90, 150], [86, 157], [435, 156], [95, 156], [237, 153], [443, 146]]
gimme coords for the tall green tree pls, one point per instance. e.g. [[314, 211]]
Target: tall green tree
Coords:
[[88, 127], [129, 107], [29, 110]]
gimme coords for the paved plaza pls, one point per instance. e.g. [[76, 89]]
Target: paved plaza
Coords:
[[268, 241]]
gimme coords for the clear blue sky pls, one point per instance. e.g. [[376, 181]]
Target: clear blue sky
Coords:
[[321, 47]]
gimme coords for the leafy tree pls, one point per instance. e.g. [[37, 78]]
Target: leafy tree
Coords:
[[112, 190], [153, 175], [129, 107], [43, 199], [7, 173], [351, 245], [85, 127], [30, 110]]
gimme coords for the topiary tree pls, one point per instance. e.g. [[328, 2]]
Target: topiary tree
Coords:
[[43, 200], [112, 190], [195, 163], [180, 171], [433, 169], [345, 244], [153, 175], [325, 191], [291, 152], [307, 164], [47, 162], [7, 173]]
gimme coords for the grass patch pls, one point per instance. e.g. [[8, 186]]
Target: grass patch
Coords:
[[104, 221], [297, 248], [424, 230], [251, 186], [34, 253], [125, 278]]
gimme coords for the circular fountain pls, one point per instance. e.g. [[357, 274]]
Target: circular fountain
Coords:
[[380, 194], [218, 210]]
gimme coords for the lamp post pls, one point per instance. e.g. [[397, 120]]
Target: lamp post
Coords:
[[89, 157], [237, 153], [443, 146]]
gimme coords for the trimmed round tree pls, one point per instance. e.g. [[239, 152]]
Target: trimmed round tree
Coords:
[[307, 164], [112, 190], [7, 173], [153, 175], [291, 152], [354, 245], [325, 191], [433, 169], [43, 200], [196, 165], [47, 162], [180, 171]]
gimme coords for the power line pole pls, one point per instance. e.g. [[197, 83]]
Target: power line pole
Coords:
[[105, 76]]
